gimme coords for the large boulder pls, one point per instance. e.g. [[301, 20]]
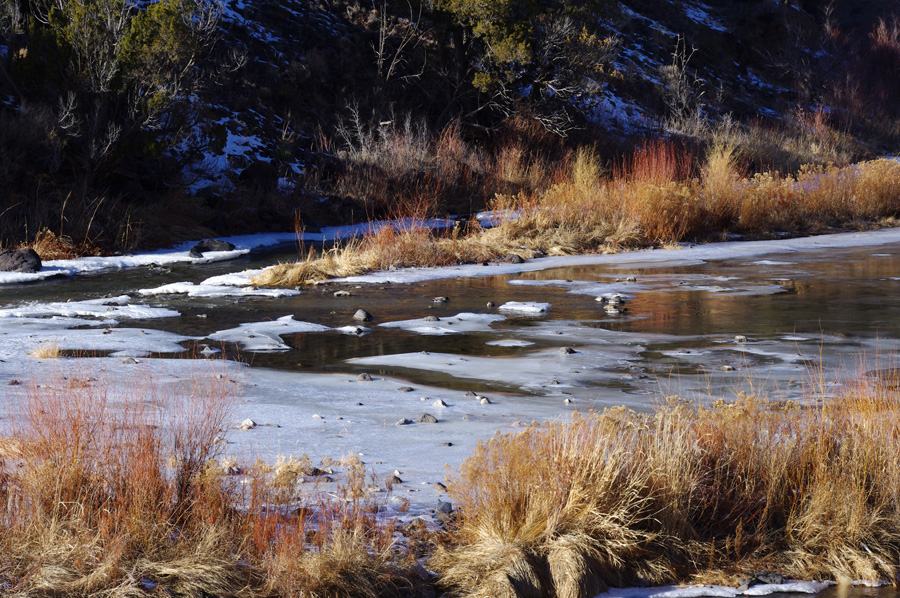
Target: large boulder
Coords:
[[20, 260], [210, 245]]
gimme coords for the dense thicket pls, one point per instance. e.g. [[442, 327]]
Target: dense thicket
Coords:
[[112, 110]]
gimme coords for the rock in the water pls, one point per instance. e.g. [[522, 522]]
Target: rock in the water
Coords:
[[567, 350], [342, 293], [469, 393], [439, 403], [129, 361], [404, 422], [740, 338], [247, 424], [444, 507], [364, 377], [317, 416], [405, 389], [362, 315], [210, 245], [440, 300], [484, 400], [13, 383], [426, 418], [491, 304], [515, 259], [431, 319], [20, 260], [727, 368], [631, 279], [395, 480]]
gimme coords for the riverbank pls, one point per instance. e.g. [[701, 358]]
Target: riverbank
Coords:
[[107, 492], [651, 202]]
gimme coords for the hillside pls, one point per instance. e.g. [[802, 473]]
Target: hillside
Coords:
[[131, 126]]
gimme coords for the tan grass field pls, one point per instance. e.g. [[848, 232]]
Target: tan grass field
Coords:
[[659, 197], [101, 496]]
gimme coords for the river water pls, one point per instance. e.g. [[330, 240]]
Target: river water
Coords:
[[791, 325]]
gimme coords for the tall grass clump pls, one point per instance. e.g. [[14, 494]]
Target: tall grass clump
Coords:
[[684, 493], [660, 196], [116, 490]]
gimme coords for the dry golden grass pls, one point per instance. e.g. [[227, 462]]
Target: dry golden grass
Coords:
[[685, 492], [651, 200], [115, 491], [48, 350]]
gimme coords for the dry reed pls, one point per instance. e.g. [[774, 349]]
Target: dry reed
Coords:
[[659, 197], [683, 493]]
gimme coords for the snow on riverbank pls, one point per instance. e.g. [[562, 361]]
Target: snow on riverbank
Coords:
[[243, 245]]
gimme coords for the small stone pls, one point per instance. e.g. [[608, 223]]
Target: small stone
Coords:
[[362, 315], [395, 480], [342, 294], [202, 316], [431, 319], [328, 470], [515, 259], [364, 377], [439, 403], [404, 422], [325, 479], [727, 368], [567, 350], [484, 401], [110, 308], [426, 418], [631, 279], [13, 383], [745, 582], [444, 507], [491, 304], [397, 472], [469, 393], [405, 389], [129, 361], [554, 382], [247, 424], [440, 300], [317, 416], [567, 401], [423, 398], [769, 578], [359, 404], [740, 338]]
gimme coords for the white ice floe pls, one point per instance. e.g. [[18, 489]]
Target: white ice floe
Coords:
[[458, 324], [509, 342], [217, 290], [107, 310], [797, 587], [525, 308], [260, 337]]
